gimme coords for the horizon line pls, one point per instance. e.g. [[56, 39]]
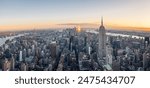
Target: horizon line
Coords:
[[71, 25]]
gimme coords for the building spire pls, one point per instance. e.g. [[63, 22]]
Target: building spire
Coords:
[[101, 21]]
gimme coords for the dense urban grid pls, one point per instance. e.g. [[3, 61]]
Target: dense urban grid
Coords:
[[74, 49]]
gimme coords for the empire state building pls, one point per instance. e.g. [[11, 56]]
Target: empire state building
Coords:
[[102, 41]]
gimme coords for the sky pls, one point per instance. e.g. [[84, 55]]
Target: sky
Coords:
[[38, 14]]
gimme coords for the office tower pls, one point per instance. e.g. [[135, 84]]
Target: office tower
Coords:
[[1, 60], [20, 56], [85, 40], [29, 52], [146, 42], [53, 49], [6, 46], [61, 62], [12, 61], [24, 54], [42, 53], [146, 60], [24, 67], [7, 54], [71, 43], [33, 50], [116, 44], [146, 39], [6, 65], [89, 50], [102, 41], [116, 65], [109, 56]]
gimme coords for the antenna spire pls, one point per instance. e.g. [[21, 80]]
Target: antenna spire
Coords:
[[101, 21]]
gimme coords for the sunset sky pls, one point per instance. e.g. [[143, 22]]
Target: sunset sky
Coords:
[[38, 14]]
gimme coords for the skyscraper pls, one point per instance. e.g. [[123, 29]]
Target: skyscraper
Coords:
[[102, 41], [6, 65], [20, 56], [53, 47]]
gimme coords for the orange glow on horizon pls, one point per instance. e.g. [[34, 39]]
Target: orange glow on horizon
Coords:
[[108, 25], [78, 29]]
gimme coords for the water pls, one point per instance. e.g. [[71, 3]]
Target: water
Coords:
[[3, 40], [117, 34], [124, 35]]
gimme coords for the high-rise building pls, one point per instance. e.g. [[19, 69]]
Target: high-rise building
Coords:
[[53, 47], [146, 60], [146, 41], [24, 67], [71, 42], [102, 41], [6, 65], [20, 56], [12, 61], [33, 50], [24, 54]]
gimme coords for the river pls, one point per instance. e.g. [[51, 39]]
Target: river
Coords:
[[3, 40]]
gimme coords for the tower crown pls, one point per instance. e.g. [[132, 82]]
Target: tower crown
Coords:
[[102, 25]]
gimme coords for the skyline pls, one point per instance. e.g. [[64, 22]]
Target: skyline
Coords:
[[37, 14]]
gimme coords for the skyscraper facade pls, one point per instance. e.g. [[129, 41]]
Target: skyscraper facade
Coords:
[[102, 41]]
